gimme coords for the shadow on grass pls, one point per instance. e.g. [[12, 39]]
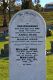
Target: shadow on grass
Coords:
[[4, 58], [4, 40]]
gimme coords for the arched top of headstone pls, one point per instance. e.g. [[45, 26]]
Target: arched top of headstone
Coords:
[[28, 12], [28, 17]]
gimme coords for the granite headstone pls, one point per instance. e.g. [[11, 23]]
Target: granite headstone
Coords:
[[27, 31]]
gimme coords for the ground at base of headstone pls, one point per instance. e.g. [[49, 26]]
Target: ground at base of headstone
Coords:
[[4, 68]]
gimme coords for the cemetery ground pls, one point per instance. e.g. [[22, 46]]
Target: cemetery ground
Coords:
[[4, 69], [4, 62]]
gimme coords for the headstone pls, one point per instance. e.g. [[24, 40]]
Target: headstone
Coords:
[[2, 37], [51, 46], [27, 46], [6, 50], [2, 52]]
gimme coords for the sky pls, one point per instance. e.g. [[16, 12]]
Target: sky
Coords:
[[43, 2]]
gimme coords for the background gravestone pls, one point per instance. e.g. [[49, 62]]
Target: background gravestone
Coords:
[[27, 46], [51, 46], [6, 50]]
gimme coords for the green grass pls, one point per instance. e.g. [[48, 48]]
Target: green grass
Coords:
[[2, 44], [49, 67], [48, 42], [48, 16], [4, 64]]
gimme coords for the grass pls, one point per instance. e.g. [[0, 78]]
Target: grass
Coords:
[[48, 16], [2, 44], [4, 64], [48, 42], [49, 60]]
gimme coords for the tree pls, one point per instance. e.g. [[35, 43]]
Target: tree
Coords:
[[4, 14], [26, 4], [37, 7], [11, 7]]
